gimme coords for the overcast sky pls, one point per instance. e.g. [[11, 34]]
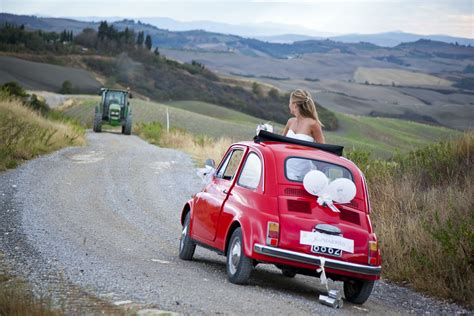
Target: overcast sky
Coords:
[[452, 17]]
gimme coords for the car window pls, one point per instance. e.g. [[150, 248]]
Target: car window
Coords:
[[251, 172], [230, 165], [296, 168]]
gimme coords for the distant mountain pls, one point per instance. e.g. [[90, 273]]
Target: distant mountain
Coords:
[[246, 30], [392, 39], [287, 38], [200, 40]]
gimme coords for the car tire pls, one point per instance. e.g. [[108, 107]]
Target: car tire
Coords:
[[186, 245], [288, 273], [358, 291], [239, 266]]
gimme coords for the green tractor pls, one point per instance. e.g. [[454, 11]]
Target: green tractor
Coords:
[[114, 109]]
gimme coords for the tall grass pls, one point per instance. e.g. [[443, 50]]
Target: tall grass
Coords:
[[25, 134], [423, 212], [16, 299], [200, 147]]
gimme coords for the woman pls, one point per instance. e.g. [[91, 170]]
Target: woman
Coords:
[[305, 125]]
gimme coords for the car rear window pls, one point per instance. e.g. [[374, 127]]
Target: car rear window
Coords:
[[297, 167]]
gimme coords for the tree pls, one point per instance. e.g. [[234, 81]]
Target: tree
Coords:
[[148, 43], [273, 93], [66, 88], [140, 39], [256, 89]]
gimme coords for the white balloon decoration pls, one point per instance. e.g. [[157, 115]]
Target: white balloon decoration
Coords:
[[315, 182], [342, 190]]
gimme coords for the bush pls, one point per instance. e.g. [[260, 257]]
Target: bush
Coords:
[[423, 213], [66, 87]]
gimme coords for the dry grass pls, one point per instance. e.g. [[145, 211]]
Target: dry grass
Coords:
[[25, 134], [423, 212], [16, 299], [200, 147]]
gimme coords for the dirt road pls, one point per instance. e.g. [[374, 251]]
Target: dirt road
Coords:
[[104, 219]]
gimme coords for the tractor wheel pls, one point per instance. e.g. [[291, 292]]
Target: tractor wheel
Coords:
[[358, 291], [98, 122], [127, 128]]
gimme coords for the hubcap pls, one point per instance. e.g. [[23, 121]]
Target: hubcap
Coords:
[[234, 256]]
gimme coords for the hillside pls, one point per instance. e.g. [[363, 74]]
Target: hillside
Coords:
[[43, 76], [382, 136], [314, 65]]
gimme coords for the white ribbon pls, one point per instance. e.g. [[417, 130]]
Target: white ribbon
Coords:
[[325, 200], [322, 277], [206, 174]]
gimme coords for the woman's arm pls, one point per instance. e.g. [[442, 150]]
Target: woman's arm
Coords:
[[317, 133], [287, 127]]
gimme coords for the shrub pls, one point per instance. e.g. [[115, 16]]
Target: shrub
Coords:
[[423, 213]]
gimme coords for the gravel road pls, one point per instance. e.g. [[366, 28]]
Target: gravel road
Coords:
[[102, 221]]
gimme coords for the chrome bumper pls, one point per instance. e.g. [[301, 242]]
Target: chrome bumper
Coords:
[[315, 260]]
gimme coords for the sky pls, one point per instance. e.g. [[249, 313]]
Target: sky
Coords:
[[426, 17]]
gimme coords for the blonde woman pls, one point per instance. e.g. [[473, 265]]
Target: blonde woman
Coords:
[[305, 125]]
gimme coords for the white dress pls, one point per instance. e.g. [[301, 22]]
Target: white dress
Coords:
[[297, 168]]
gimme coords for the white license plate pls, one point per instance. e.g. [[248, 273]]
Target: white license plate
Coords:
[[327, 251]]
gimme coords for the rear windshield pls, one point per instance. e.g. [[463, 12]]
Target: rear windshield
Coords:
[[296, 168]]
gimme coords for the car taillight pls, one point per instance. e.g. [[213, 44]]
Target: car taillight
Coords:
[[273, 233], [373, 253]]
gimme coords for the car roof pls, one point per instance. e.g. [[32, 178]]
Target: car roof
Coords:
[[288, 149]]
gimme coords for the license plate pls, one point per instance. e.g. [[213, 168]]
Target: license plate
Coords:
[[327, 251]]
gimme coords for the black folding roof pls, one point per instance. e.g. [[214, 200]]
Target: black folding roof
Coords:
[[267, 136]]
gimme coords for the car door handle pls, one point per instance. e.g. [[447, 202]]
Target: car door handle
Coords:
[[225, 191]]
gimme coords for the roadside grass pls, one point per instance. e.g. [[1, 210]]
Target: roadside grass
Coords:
[[25, 134], [423, 212], [200, 147], [17, 299]]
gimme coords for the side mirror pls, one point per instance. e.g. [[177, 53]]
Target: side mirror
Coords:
[[211, 163]]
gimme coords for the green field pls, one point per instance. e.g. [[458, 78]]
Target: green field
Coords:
[[382, 136]]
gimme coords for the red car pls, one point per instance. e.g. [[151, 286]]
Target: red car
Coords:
[[255, 209]]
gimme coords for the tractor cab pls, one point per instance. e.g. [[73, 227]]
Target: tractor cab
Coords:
[[114, 109]]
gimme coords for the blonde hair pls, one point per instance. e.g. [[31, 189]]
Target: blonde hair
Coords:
[[305, 103]]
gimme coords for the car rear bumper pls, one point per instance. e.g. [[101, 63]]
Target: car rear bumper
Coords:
[[316, 260]]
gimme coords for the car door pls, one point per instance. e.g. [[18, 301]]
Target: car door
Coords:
[[209, 202]]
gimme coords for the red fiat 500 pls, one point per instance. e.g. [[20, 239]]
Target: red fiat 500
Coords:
[[255, 208]]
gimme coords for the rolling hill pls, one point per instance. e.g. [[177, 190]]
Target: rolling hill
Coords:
[[381, 136]]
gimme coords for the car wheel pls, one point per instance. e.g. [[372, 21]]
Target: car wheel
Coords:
[[358, 291], [186, 245], [288, 273], [239, 266]]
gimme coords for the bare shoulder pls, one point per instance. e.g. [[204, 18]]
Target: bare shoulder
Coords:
[[291, 122], [314, 124]]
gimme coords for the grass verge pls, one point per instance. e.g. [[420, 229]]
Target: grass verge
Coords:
[[200, 147], [25, 134], [423, 212]]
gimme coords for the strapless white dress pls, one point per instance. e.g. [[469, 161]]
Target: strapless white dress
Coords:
[[305, 137], [297, 168]]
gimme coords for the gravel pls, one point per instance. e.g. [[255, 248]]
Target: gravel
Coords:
[[101, 224]]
